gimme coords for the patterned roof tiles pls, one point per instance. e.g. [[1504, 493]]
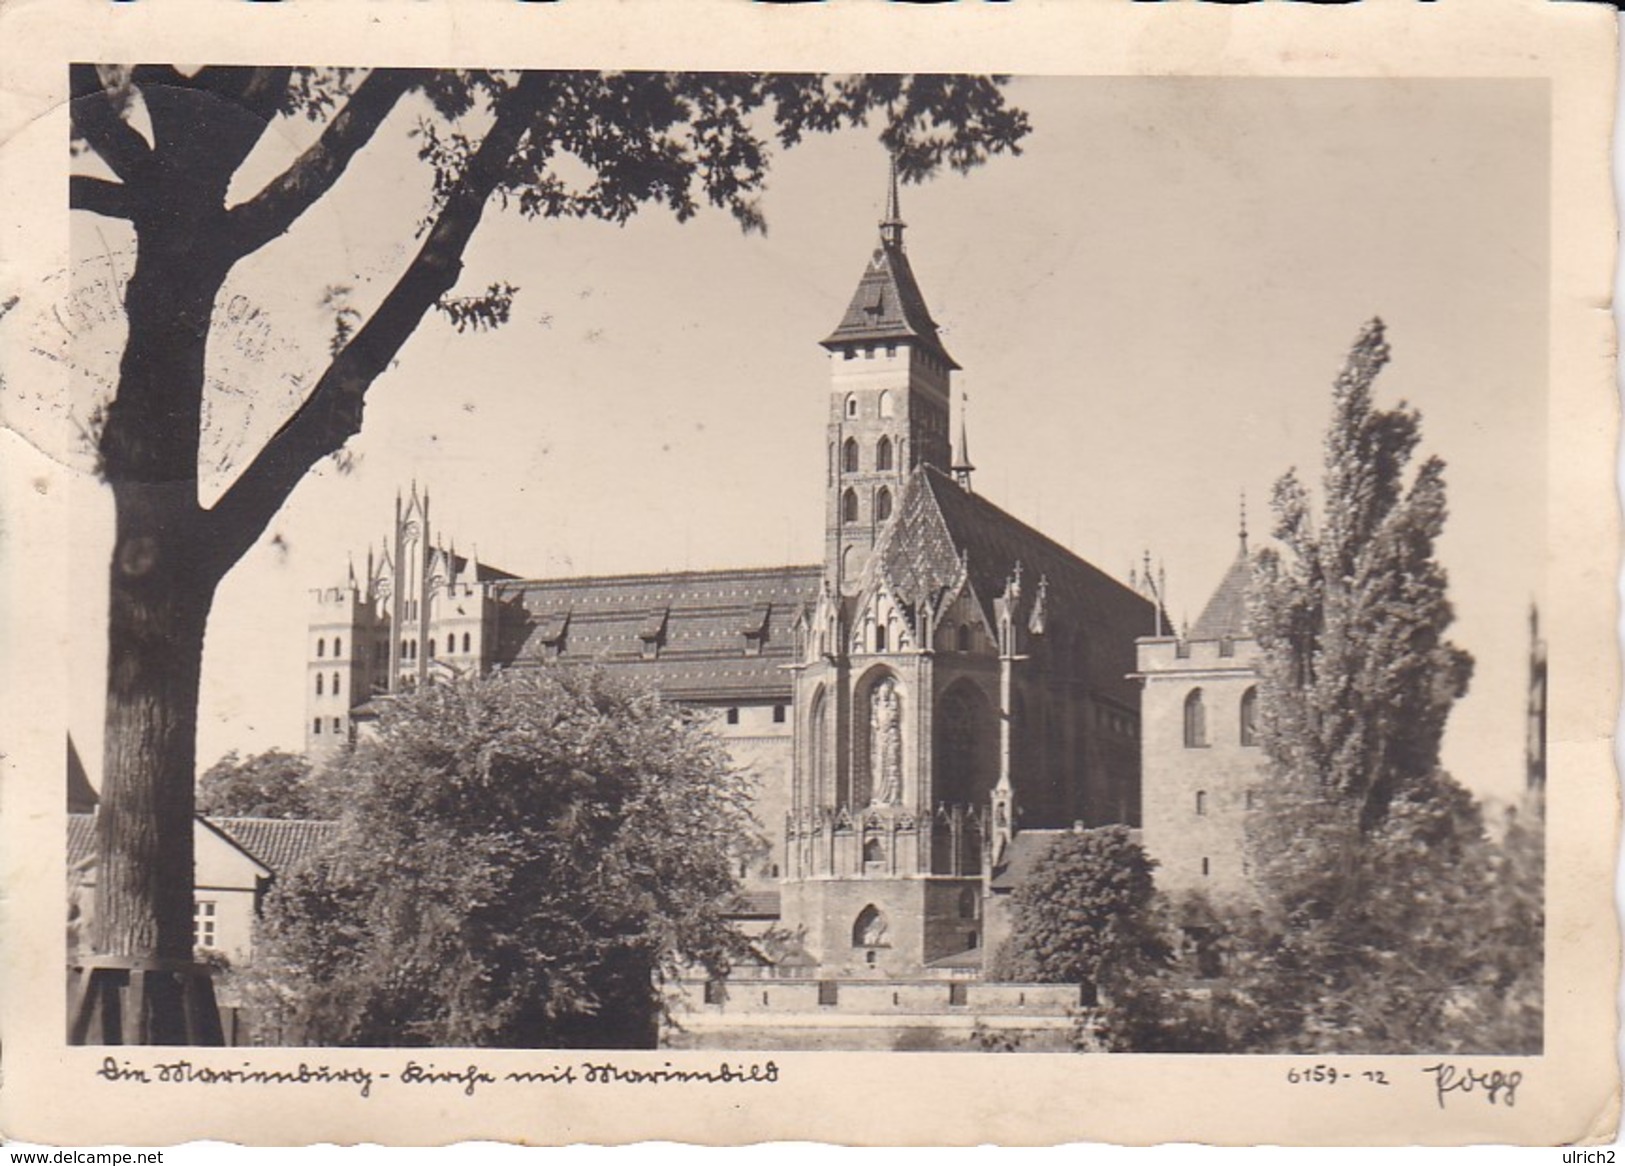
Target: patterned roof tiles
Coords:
[[888, 306], [1226, 617], [278, 843]]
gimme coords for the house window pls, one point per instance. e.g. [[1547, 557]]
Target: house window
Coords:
[[203, 934], [451, 643], [883, 453], [778, 714], [338, 725], [321, 647], [316, 726], [466, 642], [849, 506], [714, 993], [1249, 717], [849, 456], [335, 684], [338, 647], [733, 716], [318, 684], [1201, 803], [883, 505], [1195, 720]]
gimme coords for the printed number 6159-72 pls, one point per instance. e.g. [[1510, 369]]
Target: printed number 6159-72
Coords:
[[1328, 1075]]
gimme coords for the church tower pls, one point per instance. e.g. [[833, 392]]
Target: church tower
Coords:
[[889, 402]]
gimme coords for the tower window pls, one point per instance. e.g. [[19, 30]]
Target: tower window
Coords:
[[962, 638], [338, 725], [883, 505], [335, 684], [466, 642], [849, 506], [880, 638], [733, 716], [451, 643], [316, 726], [318, 684], [848, 352], [888, 403], [778, 714], [338, 647], [883, 449], [868, 352], [1206, 868], [1195, 720], [891, 350], [1249, 717], [852, 401], [321, 647], [1201, 802], [849, 456], [429, 644]]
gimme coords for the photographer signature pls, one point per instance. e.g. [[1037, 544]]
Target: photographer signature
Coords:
[[1497, 1087]]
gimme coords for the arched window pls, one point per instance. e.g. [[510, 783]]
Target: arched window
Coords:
[[404, 655], [318, 684], [1249, 717], [338, 647], [451, 643], [1195, 720], [466, 642], [818, 747], [321, 647], [872, 851], [335, 684], [883, 505], [880, 638], [849, 506], [966, 749], [962, 638], [883, 454], [852, 402], [870, 928], [888, 405], [849, 456]]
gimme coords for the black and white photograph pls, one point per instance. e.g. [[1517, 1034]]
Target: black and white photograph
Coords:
[[698, 572]]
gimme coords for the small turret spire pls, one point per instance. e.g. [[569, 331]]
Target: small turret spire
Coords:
[[1244, 521], [962, 467], [891, 227]]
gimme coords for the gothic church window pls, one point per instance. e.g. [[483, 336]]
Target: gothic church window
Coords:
[[1195, 720], [849, 506], [883, 452], [962, 638], [1249, 717], [888, 405], [873, 854], [883, 505], [849, 456], [852, 403], [880, 638], [870, 928]]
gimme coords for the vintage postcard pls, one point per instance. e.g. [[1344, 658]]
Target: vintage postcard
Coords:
[[723, 573]]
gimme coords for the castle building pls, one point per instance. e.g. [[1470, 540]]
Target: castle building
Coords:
[[923, 711], [1199, 708]]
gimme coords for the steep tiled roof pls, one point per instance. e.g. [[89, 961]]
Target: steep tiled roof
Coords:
[[888, 306], [944, 533], [1225, 616], [1026, 848], [278, 843], [693, 635], [81, 838]]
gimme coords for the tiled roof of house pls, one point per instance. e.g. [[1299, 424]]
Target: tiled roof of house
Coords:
[[1026, 848], [945, 535], [81, 838], [692, 635], [888, 306], [278, 843], [1226, 616]]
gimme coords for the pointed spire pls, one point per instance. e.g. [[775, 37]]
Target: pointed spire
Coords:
[[962, 467], [1244, 521], [891, 227]]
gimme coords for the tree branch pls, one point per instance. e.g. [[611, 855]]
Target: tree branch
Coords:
[[99, 196], [97, 120], [275, 208], [331, 415]]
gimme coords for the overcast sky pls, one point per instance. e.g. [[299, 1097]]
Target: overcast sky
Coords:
[[1150, 305]]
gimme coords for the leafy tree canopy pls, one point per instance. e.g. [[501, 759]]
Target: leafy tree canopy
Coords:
[[524, 857], [273, 784]]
